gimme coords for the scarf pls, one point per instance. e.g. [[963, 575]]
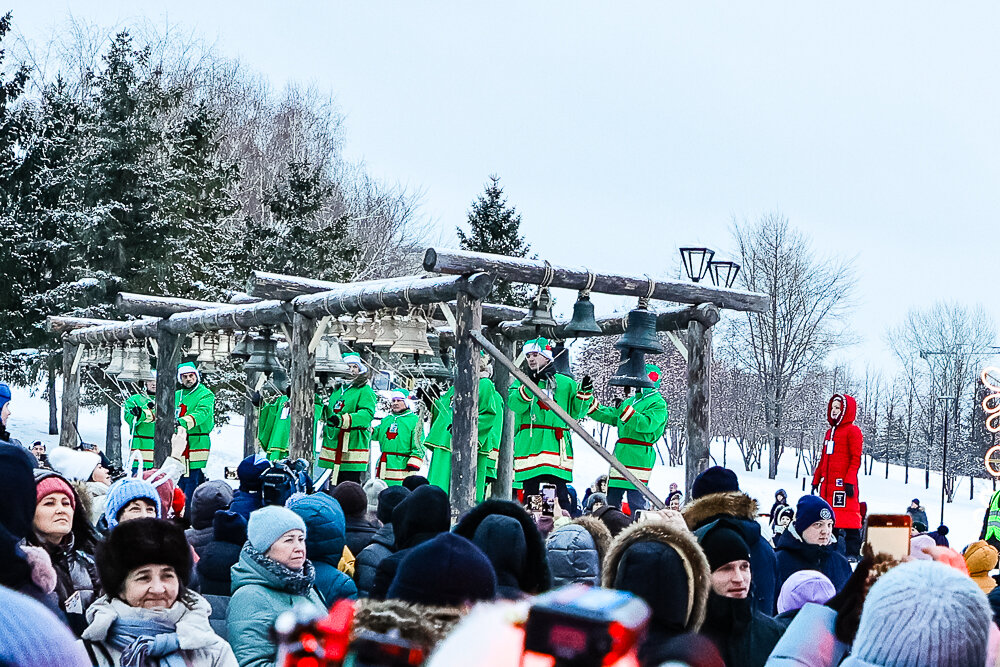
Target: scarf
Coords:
[[140, 641], [296, 582]]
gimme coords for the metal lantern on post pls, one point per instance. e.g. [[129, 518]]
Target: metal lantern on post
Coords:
[[723, 274], [696, 262]]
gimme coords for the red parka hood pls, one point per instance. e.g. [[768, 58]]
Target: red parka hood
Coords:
[[849, 413]]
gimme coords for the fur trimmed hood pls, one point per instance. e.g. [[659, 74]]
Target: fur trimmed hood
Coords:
[[421, 624], [691, 561], [599, 532], [706, 509]]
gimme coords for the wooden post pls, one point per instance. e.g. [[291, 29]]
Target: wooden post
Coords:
[[51, 389], [503, 487], [168, 355], [699, 424], [70, 396], [113, 429], [465, 424], [302, 438], [250, 418]]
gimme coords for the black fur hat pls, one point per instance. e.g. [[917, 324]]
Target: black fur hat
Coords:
[[133, 544]]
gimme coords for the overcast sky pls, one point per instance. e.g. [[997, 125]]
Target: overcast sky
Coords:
[[624, 130]]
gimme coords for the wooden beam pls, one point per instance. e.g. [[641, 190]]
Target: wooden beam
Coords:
[[671, 319], [573, 424], [465, 421], [119, 331], [503, 487], [158, 306], [242, 297], [70, 396], [57, 324], [302, 436], [533, 271], [169, 346], [239, 316], [699, 400]]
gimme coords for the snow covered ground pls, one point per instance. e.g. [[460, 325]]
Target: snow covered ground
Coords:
[[964, 517]]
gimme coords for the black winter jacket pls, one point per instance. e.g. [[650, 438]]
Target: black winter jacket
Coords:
[[360, 533], [745, 637], [420, 516], [219, 556], [794, 555], [367, 562]]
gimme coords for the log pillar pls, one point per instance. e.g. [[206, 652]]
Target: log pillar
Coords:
[[503, 487], [465, 424], [302, 436], [699, 424], [70, 396], [169, 347], [249, 417]]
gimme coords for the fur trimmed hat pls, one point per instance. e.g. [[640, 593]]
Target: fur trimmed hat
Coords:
[[540, 346], [187, 367], [141, 542]]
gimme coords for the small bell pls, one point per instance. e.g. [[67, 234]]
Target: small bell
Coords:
[[632, 371], [540, 310], [208, 356], [348, 328], [583, 318], [241, 350], [365, 330], [135, 365], [225, 342], [640, 332], [427, 365], [328, 357], [117, 361], [560, 359], [412, 338]]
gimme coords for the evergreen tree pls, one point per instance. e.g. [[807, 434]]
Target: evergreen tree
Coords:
[[495, 228]]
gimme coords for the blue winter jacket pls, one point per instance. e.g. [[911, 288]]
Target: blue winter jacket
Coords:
[[245, 502], [325, 540], [793, 555]]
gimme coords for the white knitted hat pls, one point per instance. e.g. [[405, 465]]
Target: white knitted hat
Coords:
[[72, 464]]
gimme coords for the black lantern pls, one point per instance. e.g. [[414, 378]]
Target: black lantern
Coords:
[[723, 274], [696, 261]]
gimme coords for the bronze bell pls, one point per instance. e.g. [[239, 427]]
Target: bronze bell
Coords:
[[632, 371], [583, 318], [135, 365], [640, 333], [242, 348], [348, 329], [388, 331], [117, 361], [540, 310], [427, 365], [263, 355], [328, 357], [560, 359], [91, 357], [225, 343], [365, 330], [208, 356], [412, 338]]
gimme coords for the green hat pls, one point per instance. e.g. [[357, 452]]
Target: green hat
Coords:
[[355, 358], [187, 367], [653, 372], [540, 345]]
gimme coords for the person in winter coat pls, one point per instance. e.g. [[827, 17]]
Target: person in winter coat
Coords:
[[786, 515], [940, 536], [716, 495], [383, 544], [674, 500], [195, 407], [348, 417], [325, 538], [576, 551], [981, 559], [507, 535], [66, 535], [229, 534], [640, 421], [5, 412], [208, 499], [148, 616], [808, 544], [800, 588], [247, 497], [612, 517], [139, 411], [272, 576], [400, 435], [836, 475], [445, 571], [374, 486], [20, 620], [420, 516], [917, 513], [780, 501], [743, 635], [130, 498], [82, 466], [354, 502], [661, 563], [543, 448]]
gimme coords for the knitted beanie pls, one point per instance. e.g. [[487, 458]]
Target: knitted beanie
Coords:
[[4, 394], [53, 483], [269, 523], [141, 542], [809, 510], [74, 464], [373, 487], [387, 501], [164, 488], [413, 481], [917, 545], [714, 480], [723, 545], [249, 471], [352, 498], [802, 587], [924, 613], [125, 491], [446, 571]]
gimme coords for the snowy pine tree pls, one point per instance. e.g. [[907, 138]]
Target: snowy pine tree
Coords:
[[495, 228]]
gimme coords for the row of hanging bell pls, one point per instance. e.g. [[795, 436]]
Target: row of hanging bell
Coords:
[[96, 356]]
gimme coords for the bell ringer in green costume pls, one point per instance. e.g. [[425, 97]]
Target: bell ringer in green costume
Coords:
[[347, 433], [400, 436], [140, 415], [194, 406], [543, 449], [640, 421]]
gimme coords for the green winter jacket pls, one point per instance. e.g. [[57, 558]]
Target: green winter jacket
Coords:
[[542, 442], [195, 411], [142, 427], [640, 421], [347, 445], [400, 438], [260, 595], [274, 425]]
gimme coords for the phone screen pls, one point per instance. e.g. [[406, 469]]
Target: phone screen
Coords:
[[889, 534], [230, 473], [548, 499]]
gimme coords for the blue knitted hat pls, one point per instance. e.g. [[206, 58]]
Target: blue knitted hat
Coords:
[[125, 491], [269, 523], [809, 510], [4, 394], [924, 613]]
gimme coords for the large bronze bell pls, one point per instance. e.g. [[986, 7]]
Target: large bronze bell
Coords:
[[632, 371], [365, 328], [348, 329], [135, 365], [640, 333], [328, 357], [388, 330], [560, 359], [242, 348], [583, 318], [540, 310], [225, 343], [412, 337], [263, 356], [117, 361], [208, 356], [427, 365]]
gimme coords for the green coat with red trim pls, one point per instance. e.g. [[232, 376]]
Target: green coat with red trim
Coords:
[[640, 420], [195, 411], [347, 445], [274, 425], [142, 426], [542, 442], [401, 438]]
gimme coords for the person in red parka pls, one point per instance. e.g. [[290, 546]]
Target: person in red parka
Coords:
[[836, 476]]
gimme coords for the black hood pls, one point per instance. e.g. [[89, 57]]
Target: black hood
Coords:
[[420, 516]]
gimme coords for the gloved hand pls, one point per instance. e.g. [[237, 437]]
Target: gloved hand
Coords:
[[618, 401], [334, 421], [849, 601], [850, 490], [256, 399], [136, 411], [587, 385]]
